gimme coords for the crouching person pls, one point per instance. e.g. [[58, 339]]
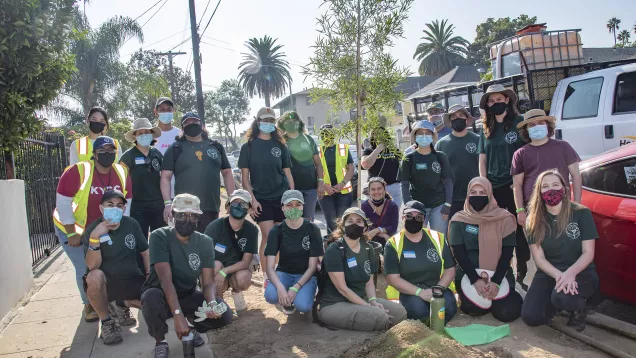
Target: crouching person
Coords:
[[178, 257], [111, 244]]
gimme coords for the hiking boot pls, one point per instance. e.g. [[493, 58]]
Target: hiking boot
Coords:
[[198, 339], [124, 315], [89, 313], [111, 332], [289, 310], [577, 320], [162, 350], [239, 301]]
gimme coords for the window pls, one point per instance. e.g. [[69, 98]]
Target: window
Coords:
[[310, 122], [582, 97], [398, 108], [625, 95], [618, 178], [308, 100]]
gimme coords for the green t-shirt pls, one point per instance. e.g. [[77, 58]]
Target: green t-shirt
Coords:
[[563, 251], [419, 263], [464, 160], [119, 260], [145, 174], [229, 246], [302, 150], [296, 246], [187, 261], [198, 171], [357, 269], [425, 174], [499, 149], [266, 160]]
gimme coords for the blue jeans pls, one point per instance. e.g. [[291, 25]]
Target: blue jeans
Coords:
[[309, 208], [417, 308], [76, 254], [333, 206], [395, 190], [304, 300], [434, 220]]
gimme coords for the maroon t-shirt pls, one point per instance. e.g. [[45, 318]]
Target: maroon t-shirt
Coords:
[[533, 160]]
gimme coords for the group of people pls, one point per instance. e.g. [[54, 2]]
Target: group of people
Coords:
[[467, 203]]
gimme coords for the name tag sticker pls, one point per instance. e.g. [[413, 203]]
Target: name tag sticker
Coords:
[[220, 248], [140, 160], [352, 262], [472, 229], [409, 254], [421, 166]]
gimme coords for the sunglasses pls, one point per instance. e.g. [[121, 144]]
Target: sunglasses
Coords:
[[418, 218], [191, 217], [238, 204]]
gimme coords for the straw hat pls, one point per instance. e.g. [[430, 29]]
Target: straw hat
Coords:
[[454, 109], [142, 123], [483, 103], [535, 115]]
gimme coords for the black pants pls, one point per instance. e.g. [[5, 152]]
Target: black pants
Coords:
[[506, 309], [506, 200], [156, 311], [542, 300], [149, 219], [206, 218]]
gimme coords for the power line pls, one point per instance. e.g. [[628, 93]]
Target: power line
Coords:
[[212, 38], [137, 18], [154, 43], [205, 10], [153, 15], [229, 49], [211, 17], [181, 43]]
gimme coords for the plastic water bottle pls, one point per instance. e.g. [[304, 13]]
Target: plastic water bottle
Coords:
[[438, 309]]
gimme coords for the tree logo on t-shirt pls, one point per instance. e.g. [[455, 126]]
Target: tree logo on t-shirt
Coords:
[[213, 153], [242, 242], [432, 255], [471, 147], [304, 145], [436, 167], [194, 261], [155, 165], [276, 152], [306, 242], [511, 137], [367, 267], [130, 241], [573, 231]]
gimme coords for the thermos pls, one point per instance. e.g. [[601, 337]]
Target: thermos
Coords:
[[438, 309], [188, 345]]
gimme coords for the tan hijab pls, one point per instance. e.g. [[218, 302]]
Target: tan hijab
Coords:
[[494, 224]]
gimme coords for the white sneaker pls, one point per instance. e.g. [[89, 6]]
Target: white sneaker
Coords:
[[239, 301]]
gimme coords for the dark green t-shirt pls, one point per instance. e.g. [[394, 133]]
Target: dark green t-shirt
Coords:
[[425, 174], [464, 160], [119, 260], [357, 269], [145, 174], [330, 159], [229, 246], [499, 149], [186, 260], [266, 160], [198, 171], [563, 251], [419, 263], [302, 150], [296, 246]]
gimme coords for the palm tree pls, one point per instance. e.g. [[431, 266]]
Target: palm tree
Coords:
[[612, 26], [442, 51], [264, 70], [623, 37]]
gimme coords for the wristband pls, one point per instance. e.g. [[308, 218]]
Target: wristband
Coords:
[[212, 303], [223, 273], [71, 234], [292, 288], [321, 179], [520, 210], [94, 241], [417, 293], [166, 202], [372, 299], [447, 204], [299, 285]]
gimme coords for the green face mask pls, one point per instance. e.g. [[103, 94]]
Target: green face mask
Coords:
[[293, 213], [291, 126]]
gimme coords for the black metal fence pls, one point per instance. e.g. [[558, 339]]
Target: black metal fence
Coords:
[[39, 162]]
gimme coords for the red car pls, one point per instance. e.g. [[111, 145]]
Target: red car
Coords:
[[609, 190]]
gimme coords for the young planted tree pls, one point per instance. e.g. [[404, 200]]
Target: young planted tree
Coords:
[[352, 64]]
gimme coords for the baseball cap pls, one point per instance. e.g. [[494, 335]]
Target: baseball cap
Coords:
[[186, 203], [241, 194], [414, 206], [357, 211], [102, 141], [113, 193], [189, 115], [265, 113], [163, 100], [435, 105], [291, 195]]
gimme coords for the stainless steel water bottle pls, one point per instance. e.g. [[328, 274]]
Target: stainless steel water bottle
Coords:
[[438, 309]]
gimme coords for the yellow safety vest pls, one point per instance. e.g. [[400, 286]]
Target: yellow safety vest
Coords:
[[397, 241], [85, 149], [80, 200], [341, 166]]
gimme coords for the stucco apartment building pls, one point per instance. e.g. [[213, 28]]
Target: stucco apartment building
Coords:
[[313, 114]]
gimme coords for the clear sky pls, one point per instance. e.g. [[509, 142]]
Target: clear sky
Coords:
[[293, 22]]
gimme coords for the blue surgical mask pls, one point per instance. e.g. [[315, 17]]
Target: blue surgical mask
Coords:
[[538, 132], [266, 127], [424, 140], [166, 117], [144, 140], [437, 120], [113, 214]]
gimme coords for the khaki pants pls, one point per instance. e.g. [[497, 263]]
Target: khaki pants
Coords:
[[347, 315]]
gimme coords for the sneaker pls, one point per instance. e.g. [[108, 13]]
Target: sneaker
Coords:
[[111, 332], [198, 339], [162, 350], [89, 313], [123, 314], [289, 310], [239, 301], [577, 320]]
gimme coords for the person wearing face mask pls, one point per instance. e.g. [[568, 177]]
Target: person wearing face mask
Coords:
[[381, 210], [164, 111], [348, 298], [79, 194], [561, 235], [426, 176], [415, 260], [482, 237], [179, 256], [197, 163], [306, 168], [461, 149], [235, 243], [298, 242], [81, 149], [111, 245], [436, 113]]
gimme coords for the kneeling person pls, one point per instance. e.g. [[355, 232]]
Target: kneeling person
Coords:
[[111, 244], [235, 244]]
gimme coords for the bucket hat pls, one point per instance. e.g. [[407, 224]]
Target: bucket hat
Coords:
[[483, 103], [457, 108], [425, 124], [186, 203], [142, 123]]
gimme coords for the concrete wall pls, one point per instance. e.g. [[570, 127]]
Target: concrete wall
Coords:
[[16, 275]]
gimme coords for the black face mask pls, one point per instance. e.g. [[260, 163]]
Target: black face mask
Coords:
[[498, 108], [106, 159], [378, 202], [478, 202], [96, 127], [354, 231], [413, 226], [458, 124], [192, 130], [184, 228], [238, 212]]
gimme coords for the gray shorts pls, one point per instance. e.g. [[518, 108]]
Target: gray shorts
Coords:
[[347, 315]]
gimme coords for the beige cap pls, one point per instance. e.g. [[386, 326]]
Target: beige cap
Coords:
[[265, 113], [186, 203], [240, 194], [142, 123], [357, 211]]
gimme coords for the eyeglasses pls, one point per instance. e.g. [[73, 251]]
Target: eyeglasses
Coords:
[[191, 217], [418, 218]]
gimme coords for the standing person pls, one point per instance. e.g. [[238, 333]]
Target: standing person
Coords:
[[561, 235], [337, 163], [306, 168], [381, 211], [81, 150], [299, 243], [265, 173], [197, 163], [164, 110], [540, 154], [427, 177], [498, 142], [179, 256], [461, 149], [382, 160], [78, 197], [435, 113], [144, 166]]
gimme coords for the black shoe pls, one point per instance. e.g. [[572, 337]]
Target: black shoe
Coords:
[[162, 350], [577, 320], [520, 282], [198, 339]]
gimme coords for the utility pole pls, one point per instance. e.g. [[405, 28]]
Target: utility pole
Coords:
[[170, 55], [197, 61]]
